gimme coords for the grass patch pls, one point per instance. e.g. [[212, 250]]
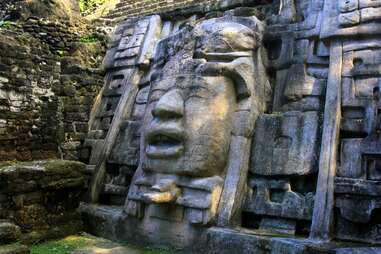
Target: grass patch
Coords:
[[147, 250], [5, 24], [151, 251], [63, 246], [72, 243]]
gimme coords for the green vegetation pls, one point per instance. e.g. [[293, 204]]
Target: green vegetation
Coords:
[[64, 246], [73, 243], [5, 24], [86, 5], [60, 52], [90, 38]]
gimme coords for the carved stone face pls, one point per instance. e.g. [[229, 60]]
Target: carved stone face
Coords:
[[188, 129]]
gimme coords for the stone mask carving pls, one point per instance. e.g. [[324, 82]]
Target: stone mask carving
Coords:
[[190, 125], [204, 98]]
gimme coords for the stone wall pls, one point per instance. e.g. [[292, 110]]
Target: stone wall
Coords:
[[134, 8], [143, 7], [38, 200], [49, 77]]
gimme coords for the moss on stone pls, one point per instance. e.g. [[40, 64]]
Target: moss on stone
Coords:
[[64, 166]]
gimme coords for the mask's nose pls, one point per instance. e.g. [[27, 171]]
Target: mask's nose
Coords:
[[171, 105]]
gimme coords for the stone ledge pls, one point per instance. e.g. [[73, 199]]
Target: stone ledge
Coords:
[[221, 240], [14, 249], [9, 232]]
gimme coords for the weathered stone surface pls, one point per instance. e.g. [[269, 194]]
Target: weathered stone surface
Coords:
[[9, 232], [14, 249], [242, 241], [49, 76], [40, 198], [358, 251], [213, 116], [185, 140], [285, 144]]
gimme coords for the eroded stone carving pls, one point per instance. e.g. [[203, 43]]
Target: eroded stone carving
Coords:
[[229, 132], [284, 150], [206, 95]]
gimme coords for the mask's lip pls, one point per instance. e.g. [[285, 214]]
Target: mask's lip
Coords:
[[164, 142], [200, 54]]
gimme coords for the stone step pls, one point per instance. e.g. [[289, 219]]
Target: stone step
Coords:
[[123, 7], [226, 241], [119, 17], [116, 13], [119, 10], [363, 250], [122, 4], [9, 232]]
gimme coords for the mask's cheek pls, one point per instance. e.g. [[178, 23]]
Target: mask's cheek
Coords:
[[208, 141]]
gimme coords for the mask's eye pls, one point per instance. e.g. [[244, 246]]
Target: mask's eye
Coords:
[[198, 92], [156, 95]]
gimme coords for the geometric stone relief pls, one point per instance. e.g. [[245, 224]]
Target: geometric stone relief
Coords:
[[285, 144], [283, 169], [284, 152], [219, 122], [358, 189], [351, 17], [358, 174], [361, 85], [121, 106]]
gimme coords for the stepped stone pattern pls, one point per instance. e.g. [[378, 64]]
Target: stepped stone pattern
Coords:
[[137, 8]]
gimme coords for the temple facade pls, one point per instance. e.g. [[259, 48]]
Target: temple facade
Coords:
[[241, 127]]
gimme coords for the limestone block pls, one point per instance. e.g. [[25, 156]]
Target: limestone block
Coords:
[[358, 209], [369, 3], [130, 52], [349, 19], [370, 14], [360, 21], [300, 84], [360, 250], [126, 149], [360, 187], [348, 5], [276, 199], [9, 232], [351, 158], [281, 226], [362, 232], [357, 189], [361, 158], [285, 144]]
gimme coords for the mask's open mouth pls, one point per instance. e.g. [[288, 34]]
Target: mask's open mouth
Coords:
[[162, 144]]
